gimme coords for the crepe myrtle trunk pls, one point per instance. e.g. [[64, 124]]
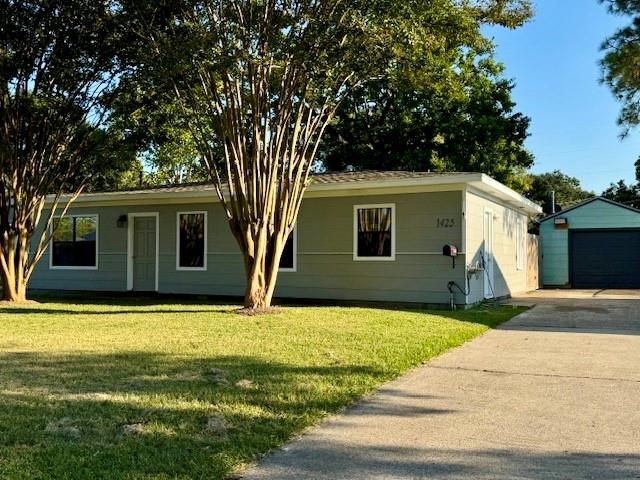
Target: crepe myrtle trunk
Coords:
[[14, 271], [262, 248]]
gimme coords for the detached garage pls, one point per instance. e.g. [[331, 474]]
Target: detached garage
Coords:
[[594, 244]]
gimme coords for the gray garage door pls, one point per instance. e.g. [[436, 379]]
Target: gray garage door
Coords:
[[605, 258]]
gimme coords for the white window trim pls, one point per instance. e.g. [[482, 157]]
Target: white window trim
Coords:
[[206, 241], [71, 267], [294, 232], [521, 245], [357, 258], [130, 239]]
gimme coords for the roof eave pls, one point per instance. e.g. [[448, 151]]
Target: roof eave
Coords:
[[507, 195], [478, 180]]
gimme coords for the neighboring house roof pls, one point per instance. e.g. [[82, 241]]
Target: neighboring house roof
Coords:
[[326, 184], [586, 202]]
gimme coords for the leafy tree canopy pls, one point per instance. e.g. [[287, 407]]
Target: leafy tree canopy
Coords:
[[111, 164], [60, 66], [568, 190], [620, 62], [620, 72], [152, 122], [433, 103], [464, 121], [623, 193]]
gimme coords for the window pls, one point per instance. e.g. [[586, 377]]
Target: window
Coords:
[[520, 244], [374, 232], [192, 241], [289, 252], [74, 243]]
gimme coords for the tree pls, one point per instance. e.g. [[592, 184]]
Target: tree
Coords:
[[151, 121], [465, 123], [568, 190], [112, 165], [59, 67], [620, 62], [623, 193], [260, 81], [620, 73], [175, 160]]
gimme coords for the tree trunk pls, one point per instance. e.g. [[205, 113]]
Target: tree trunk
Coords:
[[14, 277], [255, 296], [13, 289], [262, 260]]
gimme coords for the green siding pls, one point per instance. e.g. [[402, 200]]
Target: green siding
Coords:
[[507, 278], [555, 242], [112, 259], [326, 268], [325, 265]]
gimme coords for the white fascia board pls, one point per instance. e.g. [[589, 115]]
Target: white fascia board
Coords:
[[513, 198]]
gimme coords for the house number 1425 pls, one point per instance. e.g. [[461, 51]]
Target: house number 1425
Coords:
[[445, 222]]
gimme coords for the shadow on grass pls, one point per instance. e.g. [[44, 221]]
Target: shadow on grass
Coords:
[[132, 299], [117, 303], [81, 311], [172, 399], [490, 315]]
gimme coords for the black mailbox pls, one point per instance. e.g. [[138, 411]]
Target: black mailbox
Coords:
[[450, 251]]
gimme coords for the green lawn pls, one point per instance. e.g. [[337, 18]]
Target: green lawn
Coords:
[[155, 389]]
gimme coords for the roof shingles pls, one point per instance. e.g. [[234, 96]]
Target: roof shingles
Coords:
[[369, 175], [329, 178]]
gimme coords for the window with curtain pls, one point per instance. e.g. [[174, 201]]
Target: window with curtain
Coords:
[[192, 240], [374, 232], [74, 242]]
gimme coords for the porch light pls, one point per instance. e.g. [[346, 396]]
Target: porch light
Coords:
[[560, 223]]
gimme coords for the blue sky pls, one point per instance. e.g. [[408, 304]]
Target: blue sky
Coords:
[[554, 61]]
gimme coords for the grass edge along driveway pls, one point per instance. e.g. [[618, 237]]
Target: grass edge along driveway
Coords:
[[153, 389]]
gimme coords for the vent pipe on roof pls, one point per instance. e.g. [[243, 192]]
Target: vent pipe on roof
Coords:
[[553, 202]]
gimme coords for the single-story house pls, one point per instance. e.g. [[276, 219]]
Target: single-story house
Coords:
[[369, 236], [593, 244]]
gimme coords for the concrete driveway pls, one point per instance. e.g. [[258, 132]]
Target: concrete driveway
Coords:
[[553, 394]]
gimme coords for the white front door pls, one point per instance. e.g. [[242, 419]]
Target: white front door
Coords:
[[487, 254]]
